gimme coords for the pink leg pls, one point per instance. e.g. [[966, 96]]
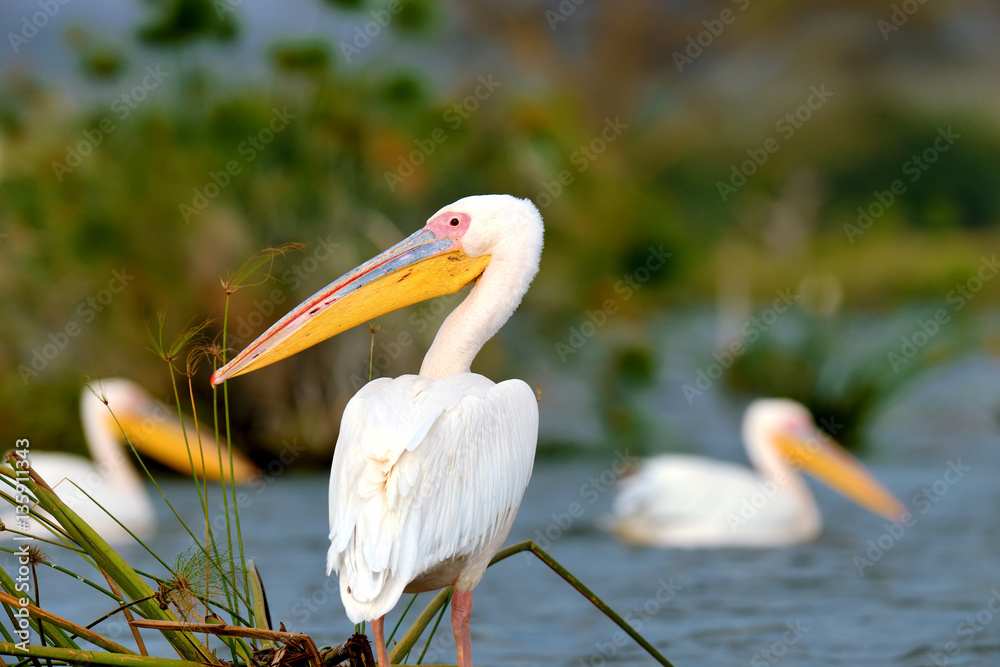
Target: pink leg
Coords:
[[461, 615], [379, 632]]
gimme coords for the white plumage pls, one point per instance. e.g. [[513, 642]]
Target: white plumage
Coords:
[[687, 501], [428, 476]]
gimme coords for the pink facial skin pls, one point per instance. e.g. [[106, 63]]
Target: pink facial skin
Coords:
[[443, 227]]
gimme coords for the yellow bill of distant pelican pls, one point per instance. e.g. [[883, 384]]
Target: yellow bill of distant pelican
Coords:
[[826, 460], [185, 448]]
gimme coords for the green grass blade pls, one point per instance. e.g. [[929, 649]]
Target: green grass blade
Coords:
[[53, 633], [229, 443], [81, 657], [430, 637], [108, 560], [413, 633], [202, 498], [233, 603], [51, 619], [400, 621], [176, 514], [583, 590], [257, 597]]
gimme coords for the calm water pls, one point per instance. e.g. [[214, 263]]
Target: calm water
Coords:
[[927, 590]]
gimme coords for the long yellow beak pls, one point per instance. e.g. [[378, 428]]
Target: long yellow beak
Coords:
[[420, 267], [834, 466], [163, 438]]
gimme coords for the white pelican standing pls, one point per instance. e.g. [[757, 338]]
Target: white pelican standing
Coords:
[[429, 469], [689, 502], [109, 477]]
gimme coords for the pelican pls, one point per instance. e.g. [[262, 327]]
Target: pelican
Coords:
[[109, 476], [429, 469], [689, 502]]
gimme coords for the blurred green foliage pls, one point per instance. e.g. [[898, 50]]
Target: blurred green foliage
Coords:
[[179, 187], [845, 370], [179, 22]]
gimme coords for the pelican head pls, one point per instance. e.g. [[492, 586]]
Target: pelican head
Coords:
[[460, 243], [781, 436]]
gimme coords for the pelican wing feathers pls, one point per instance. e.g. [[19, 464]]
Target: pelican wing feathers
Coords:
[[427, 477]]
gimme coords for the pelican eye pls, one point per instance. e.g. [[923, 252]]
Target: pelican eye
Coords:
[[454, 222]]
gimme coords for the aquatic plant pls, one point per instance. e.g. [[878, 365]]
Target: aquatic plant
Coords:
[[210, 601], [844, 370]]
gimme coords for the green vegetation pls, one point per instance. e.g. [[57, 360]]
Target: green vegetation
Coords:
[[840, 370], [344, 153], [213, 589]]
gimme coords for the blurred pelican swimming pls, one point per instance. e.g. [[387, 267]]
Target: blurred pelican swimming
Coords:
[[684, 501], [109, 477]]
